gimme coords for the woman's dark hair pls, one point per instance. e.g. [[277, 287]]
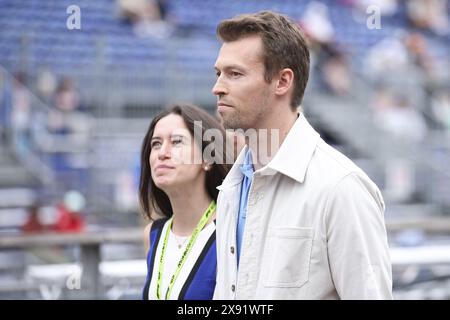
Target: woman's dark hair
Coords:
[[153, 198]]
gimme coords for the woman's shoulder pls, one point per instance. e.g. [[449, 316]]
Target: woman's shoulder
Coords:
[[154, 225], [147, 229], [150, 227], [158, 223]]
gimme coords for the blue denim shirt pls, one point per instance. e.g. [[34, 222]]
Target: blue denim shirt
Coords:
[[247, 170]]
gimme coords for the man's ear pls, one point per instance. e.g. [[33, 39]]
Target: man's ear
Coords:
[[285, 81]]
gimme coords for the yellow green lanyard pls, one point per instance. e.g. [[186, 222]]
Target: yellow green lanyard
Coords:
[[200, 226]]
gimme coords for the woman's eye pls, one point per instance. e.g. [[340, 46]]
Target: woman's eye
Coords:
[[176, 141], [155, 144]]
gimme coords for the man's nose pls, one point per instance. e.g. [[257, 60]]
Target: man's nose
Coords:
[[219, 88]]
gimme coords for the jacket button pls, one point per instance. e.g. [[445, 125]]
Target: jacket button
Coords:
[[232, 250], [233, 287]]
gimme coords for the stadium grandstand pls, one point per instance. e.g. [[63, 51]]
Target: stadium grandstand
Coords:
[[77, 99]]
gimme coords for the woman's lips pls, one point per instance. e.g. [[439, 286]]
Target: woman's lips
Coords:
[[163, 167]]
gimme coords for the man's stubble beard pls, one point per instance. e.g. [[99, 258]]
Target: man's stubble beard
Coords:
[[237, 121]]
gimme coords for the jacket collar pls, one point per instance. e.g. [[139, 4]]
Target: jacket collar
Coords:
[[296, 151], [235, 175], [292, 159]]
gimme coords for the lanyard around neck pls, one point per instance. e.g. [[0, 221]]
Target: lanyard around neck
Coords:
[[201, 224]]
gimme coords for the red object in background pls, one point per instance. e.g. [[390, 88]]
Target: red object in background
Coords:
[[68, 221], [33, 224]]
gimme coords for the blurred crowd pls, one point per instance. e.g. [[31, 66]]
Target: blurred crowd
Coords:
[[403, 56], [405, 75], [147, 17]]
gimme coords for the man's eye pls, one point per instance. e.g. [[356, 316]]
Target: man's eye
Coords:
[[217, 74], [235, 74]]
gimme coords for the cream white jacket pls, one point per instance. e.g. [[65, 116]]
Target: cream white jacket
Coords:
[[314, 228]]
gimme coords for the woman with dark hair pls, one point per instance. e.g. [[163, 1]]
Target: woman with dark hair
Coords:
[[178, 182]]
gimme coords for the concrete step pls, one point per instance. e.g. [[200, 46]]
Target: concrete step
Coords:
[[16, 197], [15, 176]]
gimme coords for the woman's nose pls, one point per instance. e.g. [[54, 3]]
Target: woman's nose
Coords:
[[164, 151]]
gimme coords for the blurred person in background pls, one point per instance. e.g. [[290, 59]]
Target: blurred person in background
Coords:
[[46, 84], [394, 113], [400, 52], [305, 222], [336, 74], [328, 60], [148, 17], [67, 137], [33, 224], [430, 15], [386, 56], [4, 105], [21, 113], [179, 184], [70, 216], [419, 53], [64, 118], [440, 108], [316, 23]]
